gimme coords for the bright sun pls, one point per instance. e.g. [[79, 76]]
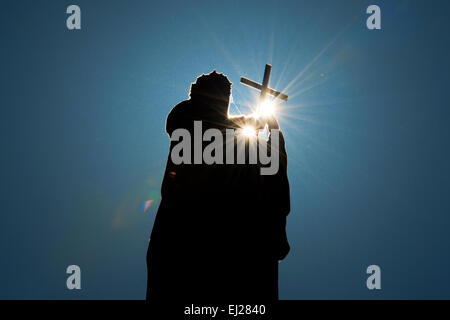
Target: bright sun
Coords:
[[266, 109]]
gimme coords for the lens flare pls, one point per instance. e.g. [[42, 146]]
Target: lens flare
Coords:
[[146, 205], [249, 131]]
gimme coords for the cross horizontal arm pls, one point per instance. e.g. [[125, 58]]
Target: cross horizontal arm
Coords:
[[277, 94], [251, 83], [272, 92]]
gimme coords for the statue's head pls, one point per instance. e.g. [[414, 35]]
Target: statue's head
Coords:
[[213, 90]]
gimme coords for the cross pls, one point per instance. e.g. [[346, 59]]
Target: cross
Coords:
[[264, 87]]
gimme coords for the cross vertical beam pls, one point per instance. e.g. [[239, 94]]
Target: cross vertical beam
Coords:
[[265, 83]]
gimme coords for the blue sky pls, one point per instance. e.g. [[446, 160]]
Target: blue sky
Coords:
[[83, 116]]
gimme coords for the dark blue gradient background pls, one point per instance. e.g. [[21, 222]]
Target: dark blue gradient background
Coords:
[[83, 142]]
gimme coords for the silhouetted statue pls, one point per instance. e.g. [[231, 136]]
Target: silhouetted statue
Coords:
[[220, 229]]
